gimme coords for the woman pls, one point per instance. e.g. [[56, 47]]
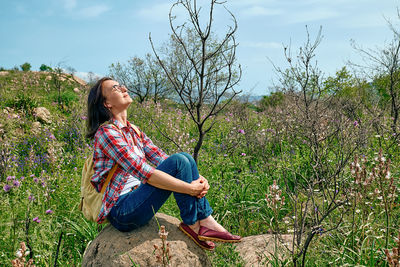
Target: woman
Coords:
[[137, 190]]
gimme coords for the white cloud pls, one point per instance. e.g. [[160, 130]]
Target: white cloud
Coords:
[[93, 11], [260, 11], [69, 4], [263, 45], [158, 12], [310, 15]]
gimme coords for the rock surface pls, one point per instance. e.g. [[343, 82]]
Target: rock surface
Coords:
[[114, 248], [258, 250], [42, 114]]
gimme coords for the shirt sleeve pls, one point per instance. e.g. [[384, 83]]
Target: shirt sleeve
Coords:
[[113, 145], [153, 153]]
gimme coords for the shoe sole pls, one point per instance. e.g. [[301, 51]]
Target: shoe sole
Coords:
[[206, 238], [194, 240]]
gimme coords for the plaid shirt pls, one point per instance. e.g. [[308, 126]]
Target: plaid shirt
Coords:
[[110, 148]]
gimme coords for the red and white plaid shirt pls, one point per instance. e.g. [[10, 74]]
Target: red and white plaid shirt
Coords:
[[111, 148]]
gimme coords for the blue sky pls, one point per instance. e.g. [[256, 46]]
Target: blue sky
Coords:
[[90, 35]]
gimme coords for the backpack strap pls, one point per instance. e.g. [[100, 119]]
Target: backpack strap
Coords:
[[109, 176]]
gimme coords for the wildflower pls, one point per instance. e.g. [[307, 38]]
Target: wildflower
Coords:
[[36, 219], [16, 183], [49, 211], [241, 131], [6, 188], [83, 117], [243, 154], [355, 123], [358, 211], [35, 180], [9, 178], [75, 169], [225, 155], [31, 198]]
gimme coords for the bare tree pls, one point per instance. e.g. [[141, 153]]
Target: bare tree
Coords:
[[382, 66], [142, 77], [316, 185], [201, 68]]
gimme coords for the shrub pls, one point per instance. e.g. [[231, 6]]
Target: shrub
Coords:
[[26, 66], [44, 67]]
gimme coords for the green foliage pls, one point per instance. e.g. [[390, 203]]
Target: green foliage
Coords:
[[67, 98], [272, 100], [23, 101], [44, 67], [26, 66], [242, 155]]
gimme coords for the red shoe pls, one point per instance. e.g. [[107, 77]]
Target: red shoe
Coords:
[[212, 235], [190, 233]]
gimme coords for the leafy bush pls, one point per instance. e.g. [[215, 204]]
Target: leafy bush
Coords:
[[44, 67], [26, 66], [23, 101]]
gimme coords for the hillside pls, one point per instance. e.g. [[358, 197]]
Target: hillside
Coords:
[[324, 170]]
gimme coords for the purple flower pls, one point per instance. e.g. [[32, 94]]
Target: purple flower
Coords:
[[31, 198], [36, 219], [75, 169], [35, 180], [32, 175], [355, 123], [9, 178], [22, 178], [225, 155], [241, 131], [243, 154], [49, 211], [83, 117], [52, 137], [16, 183], [6, 188]]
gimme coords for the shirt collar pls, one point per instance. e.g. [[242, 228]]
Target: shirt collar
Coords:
[[119, 124]]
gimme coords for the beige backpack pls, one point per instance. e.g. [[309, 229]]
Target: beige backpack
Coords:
[[91, 200]]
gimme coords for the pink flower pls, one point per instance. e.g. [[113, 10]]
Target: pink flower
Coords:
[[49, 211], [83, 117], [6, 188], [243, 154], [36, 219], [16, 183], [241, 131]]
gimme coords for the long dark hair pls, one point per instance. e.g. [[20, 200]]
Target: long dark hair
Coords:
[[97, 112]]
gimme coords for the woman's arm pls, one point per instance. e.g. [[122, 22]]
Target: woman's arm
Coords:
[[163, 180]]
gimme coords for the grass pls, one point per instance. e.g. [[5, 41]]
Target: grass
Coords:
[[241, 157]]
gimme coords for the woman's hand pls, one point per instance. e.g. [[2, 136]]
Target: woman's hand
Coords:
[[206, 186]]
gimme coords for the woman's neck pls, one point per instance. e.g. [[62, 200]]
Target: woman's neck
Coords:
[[121, 117]]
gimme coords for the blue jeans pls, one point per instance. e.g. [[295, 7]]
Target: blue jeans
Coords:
[[136, 208]]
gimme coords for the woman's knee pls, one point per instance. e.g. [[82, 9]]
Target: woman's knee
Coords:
[[180, 159], [188, 156]]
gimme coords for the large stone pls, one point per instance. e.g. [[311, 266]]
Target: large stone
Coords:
[[259, 250], [114, 248], [42, 114]]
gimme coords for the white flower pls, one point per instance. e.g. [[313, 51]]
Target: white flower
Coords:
[[387, 175], [379, 198], [19, 253], [358, 211]]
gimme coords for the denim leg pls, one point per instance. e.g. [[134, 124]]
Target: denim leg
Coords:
[[202, 206], [138, 207]]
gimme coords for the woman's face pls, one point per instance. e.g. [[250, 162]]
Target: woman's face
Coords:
[[117, 97]]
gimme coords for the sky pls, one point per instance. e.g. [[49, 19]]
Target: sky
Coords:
[[90, 35]]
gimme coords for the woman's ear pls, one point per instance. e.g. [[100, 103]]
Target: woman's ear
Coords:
[[107, 105]]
